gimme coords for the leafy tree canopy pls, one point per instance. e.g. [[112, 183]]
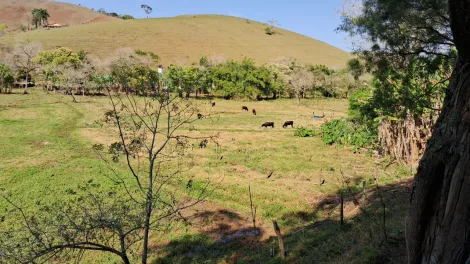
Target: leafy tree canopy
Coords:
[[408, 47], [59, 56]]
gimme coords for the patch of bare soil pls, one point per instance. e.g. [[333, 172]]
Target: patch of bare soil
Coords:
[[225, 225]]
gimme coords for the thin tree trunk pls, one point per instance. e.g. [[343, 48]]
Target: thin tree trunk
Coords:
[[148, 211], [125, 259], [148, 214], [279, 238], [26, 85], [124, 256]]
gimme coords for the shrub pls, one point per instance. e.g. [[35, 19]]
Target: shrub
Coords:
[[269, 31], [22, 28], [3, 26], [343, 131], [304, 132], [127, 17], [359, 104]]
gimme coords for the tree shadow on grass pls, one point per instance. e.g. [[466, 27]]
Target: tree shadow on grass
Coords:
[[317, 237]]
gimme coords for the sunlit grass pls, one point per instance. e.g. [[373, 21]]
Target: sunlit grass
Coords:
[[46, 149]]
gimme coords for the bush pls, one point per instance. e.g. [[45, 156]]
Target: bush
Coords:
[[304, 132], [3, 26], [343, 131], [359, 105], [22, 28], [269, 31], [127, 17]]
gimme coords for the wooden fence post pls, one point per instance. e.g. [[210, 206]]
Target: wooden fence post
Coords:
[[341, 212]]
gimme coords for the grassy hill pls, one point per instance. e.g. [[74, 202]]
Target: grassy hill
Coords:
[[184, 39], [17, 12]]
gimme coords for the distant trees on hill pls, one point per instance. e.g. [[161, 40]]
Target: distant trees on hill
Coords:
[[127, 17], [114, 14], [270, 30], [39, 17], [147, 9]]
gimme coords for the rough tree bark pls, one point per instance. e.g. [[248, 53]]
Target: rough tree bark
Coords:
[[438, 227]]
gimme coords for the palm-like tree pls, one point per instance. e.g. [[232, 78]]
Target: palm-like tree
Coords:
[[40, 16], [44, 15]]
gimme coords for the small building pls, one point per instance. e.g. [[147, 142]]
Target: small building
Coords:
[[56, 25]]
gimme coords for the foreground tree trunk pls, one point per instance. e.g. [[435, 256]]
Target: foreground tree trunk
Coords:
[[438, 227]]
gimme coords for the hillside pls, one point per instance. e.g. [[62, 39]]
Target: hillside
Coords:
[[184, 39], [17, 12]]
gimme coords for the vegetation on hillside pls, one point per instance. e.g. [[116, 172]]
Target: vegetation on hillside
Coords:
[[17, 14], [147, 9], [114, 14], [202, 35]]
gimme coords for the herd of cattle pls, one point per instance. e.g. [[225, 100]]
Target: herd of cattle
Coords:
[[266, 124]]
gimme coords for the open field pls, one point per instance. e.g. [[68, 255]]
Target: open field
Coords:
[[46, 141], [185, 39]]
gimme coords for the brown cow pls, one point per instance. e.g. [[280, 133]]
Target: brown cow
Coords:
[[288, 123]]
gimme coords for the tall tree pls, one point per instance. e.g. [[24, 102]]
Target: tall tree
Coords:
[[408, 47], [6, 78], [356, 68], [302, 79], [44, 16], [40, 17], [147, 9], [21, 60], [438, 228], [36, 14]]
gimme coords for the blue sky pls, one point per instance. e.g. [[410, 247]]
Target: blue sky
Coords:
[[315, 18]]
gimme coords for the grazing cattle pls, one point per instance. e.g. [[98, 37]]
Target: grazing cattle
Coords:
[[189, 184], [244, 108], [213, 104], [200, 116], [268, 124], [254, 111], [203, 143], [288, 123]]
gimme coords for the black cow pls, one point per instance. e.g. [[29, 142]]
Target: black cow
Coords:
[[244, 108], [254, 111], [213, 104], [200, 116], [268, 124], [203, 143], [288, 123]]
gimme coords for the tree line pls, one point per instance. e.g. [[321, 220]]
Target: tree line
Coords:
[[136, 71]]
